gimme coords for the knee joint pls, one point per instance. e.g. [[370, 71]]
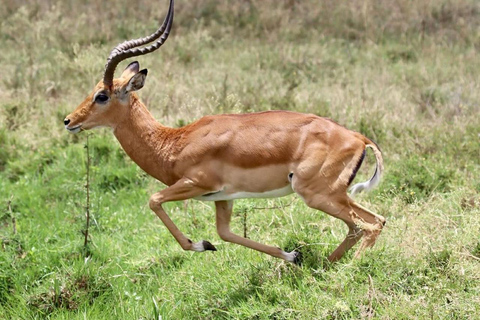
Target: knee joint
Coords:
[[224, 234], [381, 221], [155, 201]]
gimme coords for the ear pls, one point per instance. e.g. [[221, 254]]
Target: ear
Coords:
[[137, 81], [130, 70]]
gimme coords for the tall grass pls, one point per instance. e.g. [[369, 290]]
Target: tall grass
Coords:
[[405, 73]]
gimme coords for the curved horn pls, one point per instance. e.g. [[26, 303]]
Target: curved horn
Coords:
[[129, 48]]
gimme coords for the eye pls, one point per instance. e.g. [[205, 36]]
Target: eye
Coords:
[[101, 98]]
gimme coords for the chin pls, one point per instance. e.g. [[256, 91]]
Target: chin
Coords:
[[76, 129]]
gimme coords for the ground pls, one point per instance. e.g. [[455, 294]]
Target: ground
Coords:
[[404, 74]]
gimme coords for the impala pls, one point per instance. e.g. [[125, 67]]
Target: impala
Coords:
[[221, 158]]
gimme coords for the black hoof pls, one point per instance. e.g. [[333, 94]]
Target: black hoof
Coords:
[[208, 246], [298, 258]]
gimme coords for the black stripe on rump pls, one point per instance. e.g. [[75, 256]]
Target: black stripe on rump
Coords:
[[357, 167]]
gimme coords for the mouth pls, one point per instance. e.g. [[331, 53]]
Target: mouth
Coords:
[[75, 129]]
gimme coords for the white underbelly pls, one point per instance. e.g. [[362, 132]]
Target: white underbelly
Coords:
[[223, 195]]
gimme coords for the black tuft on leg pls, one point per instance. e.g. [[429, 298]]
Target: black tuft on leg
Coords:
[[290, 176]]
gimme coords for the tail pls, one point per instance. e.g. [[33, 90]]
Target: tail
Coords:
[[375, 179]]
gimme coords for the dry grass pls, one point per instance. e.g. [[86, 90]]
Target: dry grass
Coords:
[[405, 73]]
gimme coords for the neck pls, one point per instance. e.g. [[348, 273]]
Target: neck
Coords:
[[145, 141]]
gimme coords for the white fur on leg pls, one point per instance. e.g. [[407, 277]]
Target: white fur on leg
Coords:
[[198, 246], [291, 256], [203, 246]]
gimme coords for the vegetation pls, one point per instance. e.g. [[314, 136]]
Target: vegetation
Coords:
[[404, 73]]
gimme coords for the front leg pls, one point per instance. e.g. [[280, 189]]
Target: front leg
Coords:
[[224, 214], [181, 190]]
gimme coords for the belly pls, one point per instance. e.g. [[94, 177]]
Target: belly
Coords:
[[224, 195]]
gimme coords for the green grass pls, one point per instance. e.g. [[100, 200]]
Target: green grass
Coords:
[[404, 74]]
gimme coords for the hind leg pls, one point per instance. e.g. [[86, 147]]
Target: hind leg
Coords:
[[371, 224], [354, 234], [322, 182], [360, 221]]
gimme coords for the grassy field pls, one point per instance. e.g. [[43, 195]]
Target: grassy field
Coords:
[[404, 73]]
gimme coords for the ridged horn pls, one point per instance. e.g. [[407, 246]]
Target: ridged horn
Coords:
[[129, 48]]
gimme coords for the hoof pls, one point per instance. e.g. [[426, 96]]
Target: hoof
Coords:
[[293, 257], [297, 259], [208, 246]]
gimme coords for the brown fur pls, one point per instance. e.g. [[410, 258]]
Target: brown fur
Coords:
[[238, 153]]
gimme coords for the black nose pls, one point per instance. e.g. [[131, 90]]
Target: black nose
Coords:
[[66, 121]]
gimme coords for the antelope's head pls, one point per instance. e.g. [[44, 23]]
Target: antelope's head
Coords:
[[110, 97]]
